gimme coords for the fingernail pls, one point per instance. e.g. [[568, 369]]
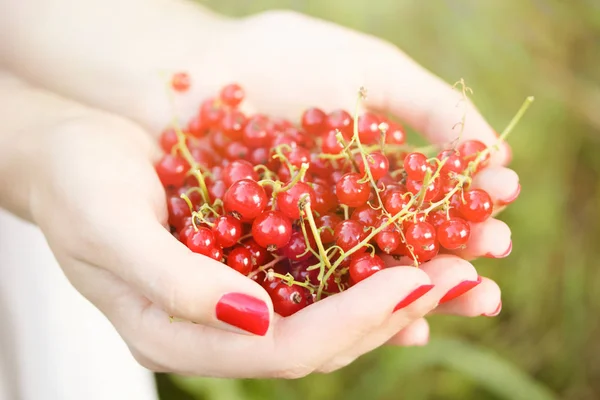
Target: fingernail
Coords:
[[503, 255], [413, 296], [244, 312], [460, 289], [495, 312], [510, 199]]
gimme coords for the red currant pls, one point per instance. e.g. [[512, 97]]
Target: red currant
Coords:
[[240, 259], [211, 113], [296, 249], [172, 170], [288, 300], [330, 144], [325, 199], [454, 162], [351, 191], [477, 206], [180, 81], [288, 201], [168, 139], [395, 134], [256, 133], [233, 124], [470, 149], [227, 230], [368, 128], [246, 199], [378, 164], [416, 166], [365, 214], [342, 121], [202, 241], [453, 233], [348, 234], [314, 121], [421, 236], [238, 170], [232, 95], [272, 230], [326, 224], [364, 265]]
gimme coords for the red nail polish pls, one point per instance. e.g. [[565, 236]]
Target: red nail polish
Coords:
[[459, 289], [503, 255], [513, 197], [495, 312], [413, 296], [244, 312]]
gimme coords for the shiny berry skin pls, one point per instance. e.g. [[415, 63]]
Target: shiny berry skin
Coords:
[[272, 230], [256, 133], [378, 164], [342, 121], [246, 199], [232, 95], [364, 266], [202, 156], [351, 192], [233, 123], [395, 201], [326, 223], [330, 144], [298, 156], [180, 82], [469, 150], [197, 127], [168, 139], [227, 230], [437, 218], [260, 255], [202, 241], [477, 206], [288, 300], [348, 234], [314, 121], [216, 253], [325, 199], [211, 113], [172, 170], [185, 233], [296, 248], [368, 128], [395, 134], [388, 240], [240, 259], [416, 166], [238, 170], [454, 162], [453, 233], [365, 214], [236, 150], [287, 201], [178, 211], [217, 190], [431, 192], [421, 236]]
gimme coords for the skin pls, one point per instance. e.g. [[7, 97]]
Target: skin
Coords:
[[78, 150]]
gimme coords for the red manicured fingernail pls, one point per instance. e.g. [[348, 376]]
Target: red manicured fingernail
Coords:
[[460, 289], [244, 312], [495, 312], [503, 255], [510, 199], [413, 296]]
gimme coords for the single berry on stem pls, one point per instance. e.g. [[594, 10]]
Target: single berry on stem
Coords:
[[352, 191], [245, 199], [272, 230]]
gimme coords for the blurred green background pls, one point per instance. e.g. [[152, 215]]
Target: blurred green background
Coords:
[[546, 342]]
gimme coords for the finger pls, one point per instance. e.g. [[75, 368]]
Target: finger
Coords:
[[482, 300], [450, 276], [502, 184], [428, 104], [491, 238], [416, 334]]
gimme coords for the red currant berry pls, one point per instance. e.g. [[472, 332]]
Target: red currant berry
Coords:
[[256, 132], [288, 201], [216, 190], [431, 192], [288, 300], [232, 95], [211, 113], [470, 149], [237, 170], [272, 230], [246, 199], [298, 156], [416, 166], [368, 128], [186, 232], [227, 230], [178, 211], [365, 214], [363, 266], [351, 191], [342, 121], [421, 236], [172, 170], [197, 127], [236, 151], [216, 253], [202, 241], [378, 164], [388, 240], [325, 199], [454, 162], [233, 124], [168, 139], [330, 144], [219, 141], [348, 234], [437, 218], [240, 259], [477, 206], [180, 82], [314, 121], [260, 255], [395, 134], [326, 224], [395, 201], [453, 233], [296, 249]]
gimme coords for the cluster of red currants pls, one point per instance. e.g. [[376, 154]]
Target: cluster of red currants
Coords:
[[307, 210]]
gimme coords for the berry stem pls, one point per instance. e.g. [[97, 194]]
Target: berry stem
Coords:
[[317, 236], [263, 268]]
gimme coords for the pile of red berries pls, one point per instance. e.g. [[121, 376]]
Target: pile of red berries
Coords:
[[307, 209]]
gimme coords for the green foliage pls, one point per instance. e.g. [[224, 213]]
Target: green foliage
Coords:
[[543, 345]]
